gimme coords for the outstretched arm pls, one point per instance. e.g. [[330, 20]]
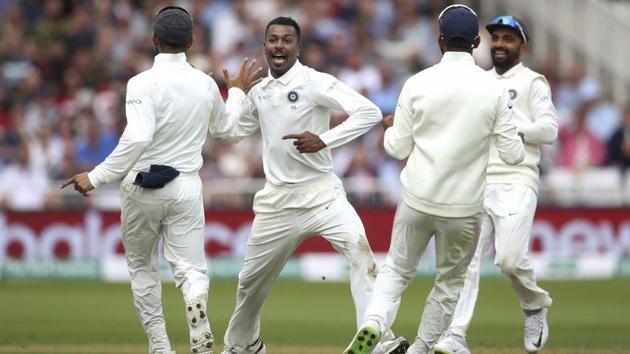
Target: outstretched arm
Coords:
[[236, 118]]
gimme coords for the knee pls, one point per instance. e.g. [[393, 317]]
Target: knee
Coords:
[[359, 253], [507, 264]]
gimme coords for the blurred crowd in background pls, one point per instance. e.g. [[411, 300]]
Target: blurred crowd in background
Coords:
[[64, 65]]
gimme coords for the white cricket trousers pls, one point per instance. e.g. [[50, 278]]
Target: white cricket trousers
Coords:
[[175, 215], [509, 212], [286, 216], [455, 241]]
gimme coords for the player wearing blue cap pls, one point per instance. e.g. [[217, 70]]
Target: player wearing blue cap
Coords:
[[510, 196], [445, 120]]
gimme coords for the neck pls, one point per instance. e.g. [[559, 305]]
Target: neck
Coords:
[[459, 50], [276, 74], [170, 51]]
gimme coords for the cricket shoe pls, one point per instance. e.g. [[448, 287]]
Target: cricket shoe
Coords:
[[451, 343], [257, 347], [395, 346], [536, 330], [201, 339], [364, 341]]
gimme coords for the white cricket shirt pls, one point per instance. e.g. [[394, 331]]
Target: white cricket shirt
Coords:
[[443, 123], [535, 116], [168, 109], [298, 101]]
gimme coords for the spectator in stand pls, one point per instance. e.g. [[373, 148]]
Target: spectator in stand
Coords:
[[94, 144], [619, 143], [386, 96], [579, 147], [567, 99], [23, 187], [602, 117]]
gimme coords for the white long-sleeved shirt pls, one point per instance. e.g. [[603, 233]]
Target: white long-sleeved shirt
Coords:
[[298, 101], [169, 108], [534, 116], [444, 121]]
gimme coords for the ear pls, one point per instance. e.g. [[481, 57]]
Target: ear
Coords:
[[190, 43], [477, 42], [154, 39], [441, 43], [524, 48]]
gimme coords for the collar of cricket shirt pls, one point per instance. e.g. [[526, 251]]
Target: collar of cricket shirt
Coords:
[[513, 70], [170, 58], [286, 78], [457, 56]]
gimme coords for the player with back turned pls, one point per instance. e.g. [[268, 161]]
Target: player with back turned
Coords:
[[170, 109], [445, 120], [510, 196]]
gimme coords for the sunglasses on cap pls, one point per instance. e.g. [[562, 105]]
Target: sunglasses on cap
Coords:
[[509, 21], [450, 7]]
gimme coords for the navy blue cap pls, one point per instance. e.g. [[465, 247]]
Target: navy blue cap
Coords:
[[510, 22], [459, 21], [173, 25]]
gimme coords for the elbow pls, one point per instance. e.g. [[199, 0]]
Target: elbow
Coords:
[[397, 154], [225, 135], [374, 113], [139, 143], [551, 136]]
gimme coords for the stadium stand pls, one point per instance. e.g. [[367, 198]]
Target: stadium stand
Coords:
[[64, 65]]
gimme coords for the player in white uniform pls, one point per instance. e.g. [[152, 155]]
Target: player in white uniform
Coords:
[[302, 197], [169, 110], [444, 123], [510, 196]]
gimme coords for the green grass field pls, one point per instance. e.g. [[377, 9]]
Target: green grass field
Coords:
[[299, 317]]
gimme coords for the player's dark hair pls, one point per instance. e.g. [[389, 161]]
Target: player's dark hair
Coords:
[[173, 8], [285, 21], [170, 46], [458, 44], [165, 44]]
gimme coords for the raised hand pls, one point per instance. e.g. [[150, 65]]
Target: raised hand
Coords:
[[81, 183], [246, 78], [306, 142]]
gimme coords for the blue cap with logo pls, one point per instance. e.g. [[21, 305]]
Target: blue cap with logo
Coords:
[[459, 21], [510, 22]]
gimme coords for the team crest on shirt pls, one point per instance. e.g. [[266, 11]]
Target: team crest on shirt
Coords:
[[512, 93], [293, 96]]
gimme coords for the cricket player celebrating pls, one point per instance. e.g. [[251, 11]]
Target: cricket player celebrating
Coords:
[[444, 123], [169, 110], [302, 197], [510, 196]]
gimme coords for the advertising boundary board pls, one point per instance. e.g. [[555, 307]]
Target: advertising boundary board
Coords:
[[565, 243]]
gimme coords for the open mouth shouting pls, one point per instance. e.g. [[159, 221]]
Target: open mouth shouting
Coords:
[[278, 59]]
